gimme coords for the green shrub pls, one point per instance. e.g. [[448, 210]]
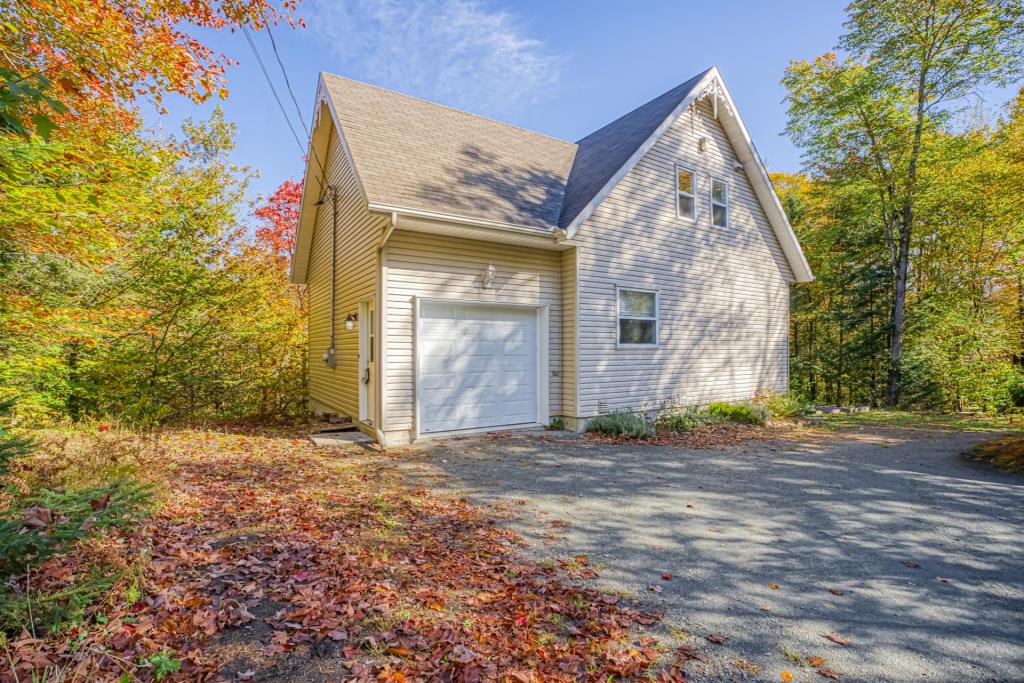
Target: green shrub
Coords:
[[744, 413], [687, 419], [44, 523], [622, 423], [163, 664], [53, 611], [785, 404]]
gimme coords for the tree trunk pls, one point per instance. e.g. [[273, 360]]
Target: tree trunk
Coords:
[[899, 302]]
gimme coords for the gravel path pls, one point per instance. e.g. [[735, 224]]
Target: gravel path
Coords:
[[926, 549]]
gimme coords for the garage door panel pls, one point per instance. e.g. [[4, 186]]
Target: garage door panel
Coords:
[[477, 365]]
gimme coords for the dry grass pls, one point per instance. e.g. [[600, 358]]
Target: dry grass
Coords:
[[1006, 453]]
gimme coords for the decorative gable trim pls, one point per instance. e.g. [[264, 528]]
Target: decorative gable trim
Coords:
[[712, 87]]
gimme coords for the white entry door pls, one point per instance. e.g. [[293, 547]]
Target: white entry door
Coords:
[[367, 361], [477, 366]]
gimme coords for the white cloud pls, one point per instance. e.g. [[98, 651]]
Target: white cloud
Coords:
[[458, 52]]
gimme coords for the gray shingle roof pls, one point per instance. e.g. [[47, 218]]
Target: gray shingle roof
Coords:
[[420, 155], [415, 154], [602, 153]]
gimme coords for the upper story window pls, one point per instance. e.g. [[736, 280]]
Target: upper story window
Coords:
[[719, 203], [686, 192], [637, 317]]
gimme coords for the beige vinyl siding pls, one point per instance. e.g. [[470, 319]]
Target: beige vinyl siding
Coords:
[[723, 292], [570, 340], [358, 231], [434, 266]]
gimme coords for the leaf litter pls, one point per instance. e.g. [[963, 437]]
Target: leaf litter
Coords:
[[271, 559]]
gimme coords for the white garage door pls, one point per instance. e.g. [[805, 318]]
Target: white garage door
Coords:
[[477, 366]]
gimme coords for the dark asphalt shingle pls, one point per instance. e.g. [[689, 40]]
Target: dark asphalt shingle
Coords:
[[415, 154]]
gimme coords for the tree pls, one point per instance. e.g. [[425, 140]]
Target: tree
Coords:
[[279, 219], [64, 57], [867, 118]]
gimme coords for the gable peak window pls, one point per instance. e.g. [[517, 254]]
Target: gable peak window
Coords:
[[637, 317], [719, 203], [686, 192]]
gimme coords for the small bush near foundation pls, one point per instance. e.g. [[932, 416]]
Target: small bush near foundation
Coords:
[[622, 423], [783, 405], [743, 413], [687, 419]]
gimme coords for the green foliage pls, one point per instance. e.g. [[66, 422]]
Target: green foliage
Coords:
[[622, 423], [11, 446], [557, 423], [162, 663], [177, 315], [53, 612], [783, 404], [687, 419], [896, 190], [41, 524], [743, 413]]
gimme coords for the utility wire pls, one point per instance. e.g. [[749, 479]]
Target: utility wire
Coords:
[[291, 92], [273, 90], [287, 82]]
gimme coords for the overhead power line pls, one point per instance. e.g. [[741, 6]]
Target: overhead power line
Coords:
[[273, 90], [287, 81]]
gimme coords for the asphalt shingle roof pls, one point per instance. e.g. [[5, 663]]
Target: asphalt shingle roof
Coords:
[[415, 154], [602, 153]]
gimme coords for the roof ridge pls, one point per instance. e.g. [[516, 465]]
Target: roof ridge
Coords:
[[450, 108]]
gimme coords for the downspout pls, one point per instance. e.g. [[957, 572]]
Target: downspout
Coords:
[[329, 355], [379, 336]]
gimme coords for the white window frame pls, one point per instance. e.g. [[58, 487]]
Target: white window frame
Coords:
[[693, 195], [657, 319], [715, 203]]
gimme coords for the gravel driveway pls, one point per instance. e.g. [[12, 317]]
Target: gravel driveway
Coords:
[[925, 550]]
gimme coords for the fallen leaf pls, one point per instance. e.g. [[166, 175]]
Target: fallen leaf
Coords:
[[462, 655], [786, 677], [716, 639], [774, 586], [686, 652], [400, 651], [815, 661], [837, 591], [829, 673], [836, 638], [656, 589], [666, 576]]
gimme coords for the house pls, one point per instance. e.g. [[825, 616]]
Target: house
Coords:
[[467, 275]]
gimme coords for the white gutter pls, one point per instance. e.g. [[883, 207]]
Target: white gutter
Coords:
[[456, 218]]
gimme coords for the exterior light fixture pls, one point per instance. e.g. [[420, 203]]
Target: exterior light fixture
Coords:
[[488, 277], [350, 322], [702, 144]]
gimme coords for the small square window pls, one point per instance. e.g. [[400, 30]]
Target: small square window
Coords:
[[637, 313], [686, 189], [719, 203]]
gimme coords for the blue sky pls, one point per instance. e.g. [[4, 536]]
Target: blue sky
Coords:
[[560, 68]]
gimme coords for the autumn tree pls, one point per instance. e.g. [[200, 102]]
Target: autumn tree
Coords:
[[279, 219], [866, 118], [130, 284]]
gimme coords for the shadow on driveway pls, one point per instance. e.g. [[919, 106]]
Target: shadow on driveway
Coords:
[[924, 547]]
